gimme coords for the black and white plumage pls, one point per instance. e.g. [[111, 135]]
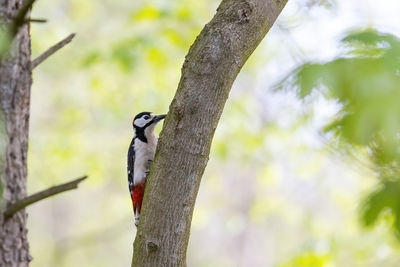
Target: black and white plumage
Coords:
[[140, 155]]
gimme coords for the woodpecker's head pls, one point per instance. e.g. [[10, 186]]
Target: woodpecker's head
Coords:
[[144, 124]]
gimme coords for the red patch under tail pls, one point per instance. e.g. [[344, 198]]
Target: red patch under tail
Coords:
[[137, 196]]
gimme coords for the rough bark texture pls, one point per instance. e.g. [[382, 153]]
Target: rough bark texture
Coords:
[[210, 68], [15, 82]]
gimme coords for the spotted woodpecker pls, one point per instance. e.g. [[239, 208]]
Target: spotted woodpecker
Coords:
[[140, 156]]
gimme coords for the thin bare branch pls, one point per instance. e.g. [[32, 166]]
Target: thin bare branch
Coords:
[[36, 20], [29, 200], [20, 20], [52, 50]]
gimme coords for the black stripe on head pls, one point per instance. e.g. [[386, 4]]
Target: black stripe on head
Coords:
[[140, 130], [141, 114]]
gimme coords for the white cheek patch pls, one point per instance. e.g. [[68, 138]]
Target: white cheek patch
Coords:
[[140, 122]]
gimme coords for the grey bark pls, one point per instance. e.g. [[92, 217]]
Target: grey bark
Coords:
[[15, 82], [209, 70]]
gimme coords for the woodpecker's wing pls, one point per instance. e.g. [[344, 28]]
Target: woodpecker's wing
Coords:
[[131, 165]]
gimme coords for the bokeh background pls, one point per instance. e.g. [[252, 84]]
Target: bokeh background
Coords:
[[280, 189]]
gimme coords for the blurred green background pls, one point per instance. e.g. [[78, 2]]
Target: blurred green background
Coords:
[[305, 154]]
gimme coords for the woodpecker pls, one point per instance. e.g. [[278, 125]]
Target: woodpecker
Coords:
[[140, 156]]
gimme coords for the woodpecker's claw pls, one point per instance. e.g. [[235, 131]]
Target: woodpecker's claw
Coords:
[[136, 220]]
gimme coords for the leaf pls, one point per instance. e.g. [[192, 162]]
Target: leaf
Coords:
[[147, 13], [309, 259], [384, 199], [366, 85]]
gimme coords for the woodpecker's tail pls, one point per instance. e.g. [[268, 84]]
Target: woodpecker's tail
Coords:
[[137, 198]]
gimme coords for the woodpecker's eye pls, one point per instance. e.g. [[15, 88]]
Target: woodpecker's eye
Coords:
[[146, 117]]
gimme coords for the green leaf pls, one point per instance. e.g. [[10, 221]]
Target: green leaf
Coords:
[[384, 199], [366, 85]]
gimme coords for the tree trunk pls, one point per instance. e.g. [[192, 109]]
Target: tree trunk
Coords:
[[15, 82], [209, 70]]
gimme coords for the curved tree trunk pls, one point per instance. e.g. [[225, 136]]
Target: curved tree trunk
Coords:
[[210, 68], [15, 82]]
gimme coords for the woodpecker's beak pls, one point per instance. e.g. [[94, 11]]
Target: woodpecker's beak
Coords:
[[158, 118]]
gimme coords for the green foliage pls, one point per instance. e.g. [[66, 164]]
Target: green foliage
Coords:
[[267, 193], [384, 198], [365, 82], [308, 259]]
